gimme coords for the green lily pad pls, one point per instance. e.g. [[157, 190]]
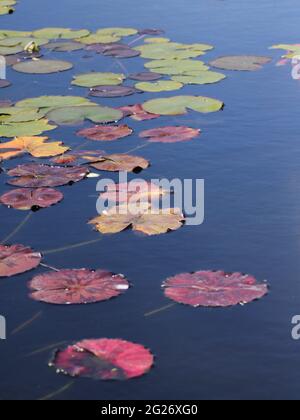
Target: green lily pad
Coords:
[[156, 40], [63, 33], [7, 33], [160, 86], [42, 66], [77, 114], [51, 102], [22, 41], [16, 115], [33, 128], [108, 35], [169, 50], [98, 79], [241, 62], [179, 105], [176, 67], [11, 50], [6, 10], [64, 46], [202, 78]]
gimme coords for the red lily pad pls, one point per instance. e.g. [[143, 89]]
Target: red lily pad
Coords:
[[101, 48], [214, 289], [34, 175], [105, 359], [121, 52], [29, 199], [75, 155], [152, 32], [17, 259], [145, 76], [170, 134], [137, 113], [67, 287], [4, 83], [106, 132], [113, 91], [137, 190]]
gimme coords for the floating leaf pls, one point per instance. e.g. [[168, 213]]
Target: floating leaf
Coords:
[[113, 91], [8, 33], [160, 86], [170, 134], [171, 50], [53, 102], [34, 175], [119, 163], [16, 115], [75, 155], [6, 10], [157, 40], [22, 41], [136, 112], [28, 199], [108, 35], [177, 67], [64, 46], [179, 105], [144, 218], [134, 190], [106, 133], [145, 76], [4, 83], [104, 359], [202, 78], [152, 32], [101, 48], [35, 146], [32, 128], [64, 33], [67, 287], [42, 66], [17, 259], [123, 51], [214, 289], [240, 62], [77, 114], [98, 79]]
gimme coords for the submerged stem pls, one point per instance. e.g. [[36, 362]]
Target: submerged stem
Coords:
[[57, 392], [26, 323], [156, 311], [136, 148], [67, 248], [18, 228]]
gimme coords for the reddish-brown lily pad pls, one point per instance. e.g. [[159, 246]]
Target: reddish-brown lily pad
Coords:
[[170, 134], [119, 163], [106, 132], [113, 91], [104, 359], [214, 289], [145, 76], [34, 175], [17, 259], [135, 190], [4, 83], [137, 113], [31, 199], [75, 155], [152, 32], [121, 52], [66, 287]]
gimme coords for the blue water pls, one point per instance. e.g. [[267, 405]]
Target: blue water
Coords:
[[249, 156]]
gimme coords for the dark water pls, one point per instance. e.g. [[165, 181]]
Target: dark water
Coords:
[[249, 156]]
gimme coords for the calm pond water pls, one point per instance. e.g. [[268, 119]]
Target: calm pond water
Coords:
[[249, 155]]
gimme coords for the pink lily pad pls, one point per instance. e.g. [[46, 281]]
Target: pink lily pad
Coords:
[[137, 113], [17, 259], [170, 134], [31, 199], [106, 132]]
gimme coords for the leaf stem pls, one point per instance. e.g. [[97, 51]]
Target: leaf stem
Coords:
[[156, 311], [69, 247], [17, 229], [26, 323], [58, 392]]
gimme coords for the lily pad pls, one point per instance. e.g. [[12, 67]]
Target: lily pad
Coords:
[[160, 86], [121, 52], [145, 76], [214, 289], [144, 219], [8, 33], [75, 155], [29, 199], [108, 35], [152, 32], [64, 46], [157, 40], [106, 133], [17, 115], [113, 91], [52, 102], [170, 134], [42, 66], [34, 175], [135, 190], [35, 146], [179, 105], [176, 67], [4, 83], [17, 259], [63, 33], [32, 128], [202, 78], [104, 359], [137, 113], [98, 79], [119, 163], [241, 62], [67, 287], [77, 114], [171, 50]]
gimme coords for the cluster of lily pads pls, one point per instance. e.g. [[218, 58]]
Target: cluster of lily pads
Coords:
[[23, 125]]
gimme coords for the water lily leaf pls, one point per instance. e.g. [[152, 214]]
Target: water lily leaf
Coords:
[[73, 115], [8, 33], [145, 76], [75, 155], [106, 133], [156, 40], [202, 78], [146, 219], [214, 289], [17, 259], [176, 67], [52, 102], [113, 91], [98, 79], [179, 105], [104, 359], [286, 47], [22, 41], [64, 46], [67, 287], [35, 146], [4, 83], [43, 66], [29, 199], [16, 115], [101, 48], [150, 31], [7, 51], [64, 33], [170, 134], [108, 35], [135, 190], [121, 52], [119, 163], [32, 128], [170, 50], [6, 10], [160, 86], [137, 113], [34, 175], [240, 62]]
